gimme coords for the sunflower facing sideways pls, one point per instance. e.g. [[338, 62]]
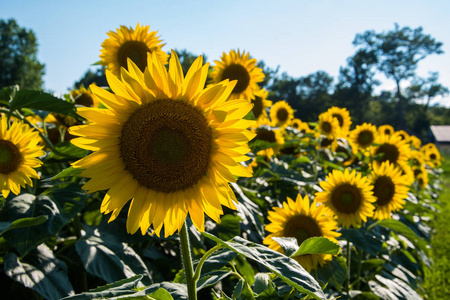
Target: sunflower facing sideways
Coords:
[[238, 66], [166, 143], [349, 196], [260, 103], [128, 43], [19, 150], [281, 114], [389, 189], [300, 220]]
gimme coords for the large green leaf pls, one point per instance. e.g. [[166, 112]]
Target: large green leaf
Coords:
[[41, 101], [108, 258], [41, 272], [284, 267], [22, 223], [59, 204]]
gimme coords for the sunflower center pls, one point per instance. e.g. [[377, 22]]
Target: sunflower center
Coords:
[[257, 107], [390, 153], [136, 51], [265, 135], [365, 138], [295, 125], [301, 227], [433, 156], [84, 99], [282, 114], [340, 119], [237, 72], [326, 142], [346, 198], [384, 190], [326, 127], [166, 145], [417, 172], [387, 131], [10, 157]]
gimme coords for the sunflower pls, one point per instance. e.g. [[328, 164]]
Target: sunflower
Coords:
[[128, 43], [343, 116], [166, 143], [432, 157], [301, 220], [363, 136], [404, 136], [260, 103], [271, 135], [389, 189], [391, 148], [349, 196], [19, 150], [281, 114], [407, 171], [324, 142], [296, 123], [386, 129], [83, 97], [328, 125], [415, 142], [237, 66], [422, 180]]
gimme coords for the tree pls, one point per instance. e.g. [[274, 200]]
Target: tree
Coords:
[[398, 53], [18, 52], [426, 89], [97, 76]]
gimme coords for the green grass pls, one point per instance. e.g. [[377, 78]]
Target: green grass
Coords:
[[437, 279]]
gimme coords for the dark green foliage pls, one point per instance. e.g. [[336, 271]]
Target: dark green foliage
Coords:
[[18, 51]]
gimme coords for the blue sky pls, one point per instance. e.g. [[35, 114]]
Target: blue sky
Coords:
[[301, 36]]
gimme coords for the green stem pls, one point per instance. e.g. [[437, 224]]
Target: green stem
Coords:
[[360, 257], [205, 256], [349, 257], [187, 263]]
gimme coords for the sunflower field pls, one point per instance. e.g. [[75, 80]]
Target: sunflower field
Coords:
[[173, 183]]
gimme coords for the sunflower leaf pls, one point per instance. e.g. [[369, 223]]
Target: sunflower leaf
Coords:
[[317, 245], [22, 223], [67, 172], [289, 244], [287, 269]]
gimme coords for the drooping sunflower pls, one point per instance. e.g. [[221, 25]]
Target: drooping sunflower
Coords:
[[389, 188], [128, 43], [281, 114], [19, 150], [386, 129], [237, 66], [343, 116], [166, 143], [349, 196], [328, 125], [301, 220], [260, 103], [363, 136], [391, 148], [83, 96]]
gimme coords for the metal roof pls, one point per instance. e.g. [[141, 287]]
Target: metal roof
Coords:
[[441, 132]]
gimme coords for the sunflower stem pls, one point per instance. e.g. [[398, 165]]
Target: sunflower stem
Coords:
[[349, 257], [187, 263], [360, 257]]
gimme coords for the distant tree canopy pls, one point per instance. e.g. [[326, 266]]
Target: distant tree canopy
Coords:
[[18, 51]]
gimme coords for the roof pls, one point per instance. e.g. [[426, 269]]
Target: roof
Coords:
[[441, 132]]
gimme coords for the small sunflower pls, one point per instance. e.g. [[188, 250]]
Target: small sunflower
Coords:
[[391, 148], [432, 157], [260, 103], [83, 97], [19, 150], [324, 142], [343, 116], [408, 172], [237, 66], [386, 129], [349, 196], [166, 143], [404, 136], [422, 180], [296, 123], [128, 43], [389, 189], [415, 142], [271, 135], [328, 125], [301, 220], [281, 114], [363, 136]]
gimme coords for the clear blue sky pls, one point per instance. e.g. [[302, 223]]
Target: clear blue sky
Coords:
[[301, 36]]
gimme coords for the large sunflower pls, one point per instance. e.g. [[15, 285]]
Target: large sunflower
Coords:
[[128, 43], [343, 116], [389, 188], [328, 125], [260, 103], [237, 66], [363, 136], [349, 196], [19, 150], [281, 114], [391, 148], [166, 143], [301, 220]]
